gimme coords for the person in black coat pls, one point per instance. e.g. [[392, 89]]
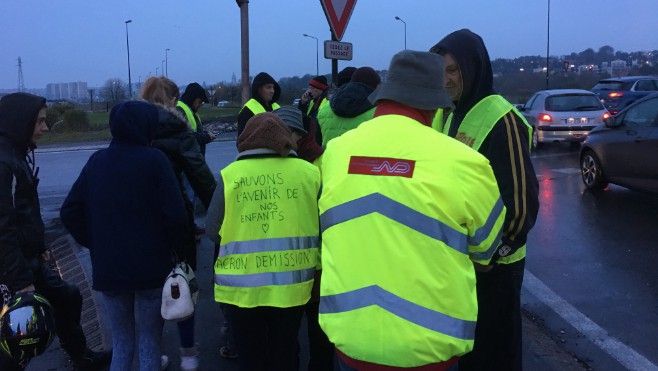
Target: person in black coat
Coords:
[[25, 262], [265, 93], [193, 98]]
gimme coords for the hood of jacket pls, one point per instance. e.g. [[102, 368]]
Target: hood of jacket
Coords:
[[18, 116], [133, 122], [351, 99], [262, 79], [170, 122], [477, 77]]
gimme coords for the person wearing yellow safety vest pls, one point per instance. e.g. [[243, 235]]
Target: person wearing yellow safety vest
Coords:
[[264, 217], [406, 214], [265, 93], [321, 351], [192, 99], [491, 125], [314, 98], [349, 106]]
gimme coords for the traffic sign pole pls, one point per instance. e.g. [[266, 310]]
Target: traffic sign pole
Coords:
[[338, 14]]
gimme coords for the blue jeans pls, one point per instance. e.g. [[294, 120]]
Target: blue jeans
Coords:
[[129, 311], [186, 332]]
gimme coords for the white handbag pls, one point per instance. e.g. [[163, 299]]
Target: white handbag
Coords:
[[179, 293]]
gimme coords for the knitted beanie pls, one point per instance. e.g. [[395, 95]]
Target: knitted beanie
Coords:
[[367, 76], [319, 82], [266, 130], [292, 117], [344, 76]]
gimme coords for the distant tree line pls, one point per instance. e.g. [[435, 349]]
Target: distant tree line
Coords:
[[513, 78]]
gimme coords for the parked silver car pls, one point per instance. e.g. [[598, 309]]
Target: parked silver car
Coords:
[[563, 115]]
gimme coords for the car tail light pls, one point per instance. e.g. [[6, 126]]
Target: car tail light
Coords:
[[606, 115], [615, 94], [545, 117]]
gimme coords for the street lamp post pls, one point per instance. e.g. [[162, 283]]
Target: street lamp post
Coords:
[[317, 58], [130, 86], [167, 62], [548, 35], [163, 67], [405, 31]]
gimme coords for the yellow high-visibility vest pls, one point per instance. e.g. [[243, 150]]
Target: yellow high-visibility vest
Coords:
[[402, 221], [255, 107], [191, 117], [269, 237], [475, 128], [333, 126], [311, 103]]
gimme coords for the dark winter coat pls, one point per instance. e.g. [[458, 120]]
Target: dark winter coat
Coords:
[[177, 141], [174, 137], [21, 226], [126, 205], [260, 80]]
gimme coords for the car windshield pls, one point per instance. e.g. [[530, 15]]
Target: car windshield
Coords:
[[573, 102]]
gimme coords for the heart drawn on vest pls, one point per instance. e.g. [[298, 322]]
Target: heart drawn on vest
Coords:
[[265, 227]]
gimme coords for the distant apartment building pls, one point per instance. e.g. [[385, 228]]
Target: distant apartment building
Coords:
[[68, 91], [614, 68]]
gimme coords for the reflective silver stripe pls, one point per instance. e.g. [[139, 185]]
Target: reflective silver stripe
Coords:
[[265, 279], [488, 253], [412, 312], [403, 214], [483, 232], [270, 244]]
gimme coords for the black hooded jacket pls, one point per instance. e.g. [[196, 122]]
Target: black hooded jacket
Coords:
[[506, 146], [202, 137], [260, 80], [351, 99], [177, 141], [21, 226]]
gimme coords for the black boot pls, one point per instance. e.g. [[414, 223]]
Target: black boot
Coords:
[[92, 361]]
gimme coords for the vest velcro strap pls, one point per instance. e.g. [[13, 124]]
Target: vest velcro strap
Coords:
[[403, 214], [270, 244], [411, 312], [265, 279]]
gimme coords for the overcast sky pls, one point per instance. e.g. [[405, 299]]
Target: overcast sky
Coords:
[[83, 40]]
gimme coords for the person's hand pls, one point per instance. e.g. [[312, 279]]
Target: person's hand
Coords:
[[306, 96], [482, 268], [46, 256], [211, 136], [26, 289]]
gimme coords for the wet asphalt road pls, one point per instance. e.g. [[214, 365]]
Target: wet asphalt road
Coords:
[[598, 252]]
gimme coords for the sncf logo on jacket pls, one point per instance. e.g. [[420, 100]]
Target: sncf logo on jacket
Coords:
[[383, 166]]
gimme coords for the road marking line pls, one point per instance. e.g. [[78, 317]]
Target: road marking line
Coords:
[[625, 355], [554, 155], [567, 170], [53, 196]]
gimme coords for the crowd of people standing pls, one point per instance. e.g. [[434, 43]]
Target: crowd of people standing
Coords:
[[393, 215]]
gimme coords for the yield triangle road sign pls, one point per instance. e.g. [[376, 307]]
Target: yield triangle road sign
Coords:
[[338, 13]]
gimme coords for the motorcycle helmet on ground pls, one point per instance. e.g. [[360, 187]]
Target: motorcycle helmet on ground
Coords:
[[27, 327]]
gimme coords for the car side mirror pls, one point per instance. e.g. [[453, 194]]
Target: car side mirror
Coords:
[[611, 122]]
